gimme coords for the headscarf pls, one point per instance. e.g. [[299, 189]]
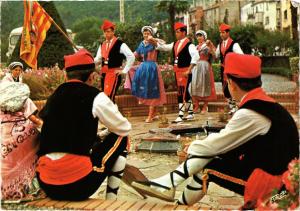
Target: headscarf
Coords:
[[148, 28], [13, 96], [203, 33], [13, 65]]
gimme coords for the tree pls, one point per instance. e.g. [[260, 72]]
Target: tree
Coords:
[[55, 45], [131, 33], [88, 33], [225, 20], [173, 7], [294, 21]]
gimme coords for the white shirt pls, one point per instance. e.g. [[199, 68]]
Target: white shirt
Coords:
[[108, 114], [192, 49], [235, 48], [243, 126], [125, 50], [29, 108], [9, 77]]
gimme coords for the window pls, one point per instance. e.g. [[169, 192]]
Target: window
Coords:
[[267, 6], [285, 14], [267, 21]]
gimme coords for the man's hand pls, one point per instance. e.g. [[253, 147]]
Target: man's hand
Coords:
[[152, 41], [119, 72], [186, 73], [209, 43]]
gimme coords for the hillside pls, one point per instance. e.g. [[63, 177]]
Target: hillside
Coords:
[[73, 11]]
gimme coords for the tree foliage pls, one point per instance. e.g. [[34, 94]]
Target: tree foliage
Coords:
[[172, 7], [252, 37], [131, 33], [87, 33]]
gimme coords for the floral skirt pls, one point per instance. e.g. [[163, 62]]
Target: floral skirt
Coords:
[[19, 146]]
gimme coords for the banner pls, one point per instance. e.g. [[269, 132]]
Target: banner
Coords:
[[35, 28]]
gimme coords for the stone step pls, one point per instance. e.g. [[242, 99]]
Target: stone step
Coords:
[[141, 110], [129, 106], [129, 100], [101, 204]]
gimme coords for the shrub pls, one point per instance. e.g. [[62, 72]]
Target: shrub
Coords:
[[278, 71], [294, 63], [217, 74], [43, 82]]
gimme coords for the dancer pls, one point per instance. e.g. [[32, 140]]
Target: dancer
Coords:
[[203, 84], [147, 84]]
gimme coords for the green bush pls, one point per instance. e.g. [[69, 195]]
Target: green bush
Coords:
[[278, 71], [294, 64], [216, 70]]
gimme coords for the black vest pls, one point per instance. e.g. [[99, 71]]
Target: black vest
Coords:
[[69, 125], [230, 49], [270, 152], [115, 58], [184, 57]]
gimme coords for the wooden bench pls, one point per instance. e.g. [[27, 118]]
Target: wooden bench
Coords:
[[101, 204]]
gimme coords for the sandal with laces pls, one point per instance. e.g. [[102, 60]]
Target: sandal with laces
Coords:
[[147, 187]]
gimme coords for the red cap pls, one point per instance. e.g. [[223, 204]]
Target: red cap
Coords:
[[242, 65], [179, 25], [224, 27], [107, 24], [81, 60]]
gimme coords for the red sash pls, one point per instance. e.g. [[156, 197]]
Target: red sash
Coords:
[[181, 79], [256, 94], [105, 52], [110, 81], [66, 170], [260, 184]]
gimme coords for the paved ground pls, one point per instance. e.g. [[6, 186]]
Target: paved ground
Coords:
[[271, 83], [156, 164]]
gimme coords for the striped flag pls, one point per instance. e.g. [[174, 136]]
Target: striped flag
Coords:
[[25, 47], [34, 32]]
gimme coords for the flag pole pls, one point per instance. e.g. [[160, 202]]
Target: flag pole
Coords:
[[63, 33]]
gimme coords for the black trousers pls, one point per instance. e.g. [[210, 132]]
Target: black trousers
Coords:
[[116, 85], [88, 185], [233, 167]]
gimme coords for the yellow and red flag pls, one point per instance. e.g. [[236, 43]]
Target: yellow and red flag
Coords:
[[35, 27]]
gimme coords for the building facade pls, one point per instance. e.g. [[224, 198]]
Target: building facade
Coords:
[[218, 11], [271, 14]]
